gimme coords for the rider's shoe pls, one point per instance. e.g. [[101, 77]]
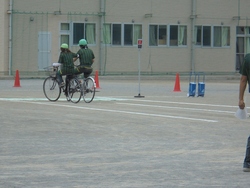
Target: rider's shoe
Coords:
[[62, 84]]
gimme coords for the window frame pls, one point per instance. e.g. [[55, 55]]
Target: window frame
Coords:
[[122, 42], [221, 36], [64, 32], [212, 36], [84, 35], [169, 35]]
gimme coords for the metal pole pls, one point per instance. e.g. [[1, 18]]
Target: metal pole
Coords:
[[193, 16], [139, 70], [101, 52], [10, 35]]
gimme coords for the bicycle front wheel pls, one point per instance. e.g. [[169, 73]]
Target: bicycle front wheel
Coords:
[[74, 90], [51, 89], [88, 89]]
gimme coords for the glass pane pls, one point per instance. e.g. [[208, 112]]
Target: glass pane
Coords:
[[137, 33], [90, 33], [65, 39], [78, 32], [182, 35], [197, 36], [239, 61], [240, 45], [128, 34], [217, 36], [65, 26], [162, 35], [153, 35], [225, 36], [206, 36], [173, 35], [116, 34], [107, 34]]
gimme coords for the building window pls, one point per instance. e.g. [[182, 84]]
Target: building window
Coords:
[[64, 33], [132, 32], [153, 35], [86, 31], [65, 39], [221, 36], [206, 36], [128, 34], [107, 33], [203, 36], [118, 34], [162, 35], [65, 27], [178, 35], [158, 35]]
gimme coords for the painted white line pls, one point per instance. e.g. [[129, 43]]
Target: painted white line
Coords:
[[126, 112], [61, 99], [181, 108], [195, 104]]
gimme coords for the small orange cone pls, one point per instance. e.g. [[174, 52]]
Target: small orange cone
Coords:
[[97, 80], [17, 79], [177, 87]]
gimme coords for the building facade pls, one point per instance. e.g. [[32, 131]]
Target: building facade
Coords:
[[184, 36]]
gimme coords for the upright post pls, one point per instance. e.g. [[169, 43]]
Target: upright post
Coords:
[[139, 42]]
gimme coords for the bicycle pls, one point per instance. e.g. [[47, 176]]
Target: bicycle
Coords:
[[88, 89], [73, 89]]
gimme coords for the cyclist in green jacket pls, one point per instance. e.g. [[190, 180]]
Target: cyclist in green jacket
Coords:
[[67, 64], [86, 57]]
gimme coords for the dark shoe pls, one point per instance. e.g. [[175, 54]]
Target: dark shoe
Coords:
[[62, 84], [67, 97], [246, 167]]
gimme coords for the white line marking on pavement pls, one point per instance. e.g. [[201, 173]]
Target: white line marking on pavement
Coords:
[[195, 104], [35, 101], [61, 99], [181, 108], [127, 112]]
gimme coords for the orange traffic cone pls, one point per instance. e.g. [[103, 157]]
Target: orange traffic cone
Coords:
[[17, 79], [97, 80], [177, 87]]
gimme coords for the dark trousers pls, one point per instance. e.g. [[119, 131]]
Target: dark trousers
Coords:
[[63, 72], [85, 70], [246, 163]]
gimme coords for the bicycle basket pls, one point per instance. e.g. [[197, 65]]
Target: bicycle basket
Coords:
[[51, 70]]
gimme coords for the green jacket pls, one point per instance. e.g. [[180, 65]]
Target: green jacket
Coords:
[[66, 59], [86, 57]]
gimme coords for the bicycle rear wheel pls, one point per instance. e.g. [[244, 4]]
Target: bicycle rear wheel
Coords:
[[51, 89], [89, 89], [74, 90]]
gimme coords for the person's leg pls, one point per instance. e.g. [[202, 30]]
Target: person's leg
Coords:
[[59, 77], [87, 72], [246, 164]]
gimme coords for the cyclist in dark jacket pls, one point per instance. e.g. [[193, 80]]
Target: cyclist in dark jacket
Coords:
[[67, 64], [86, 57]]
